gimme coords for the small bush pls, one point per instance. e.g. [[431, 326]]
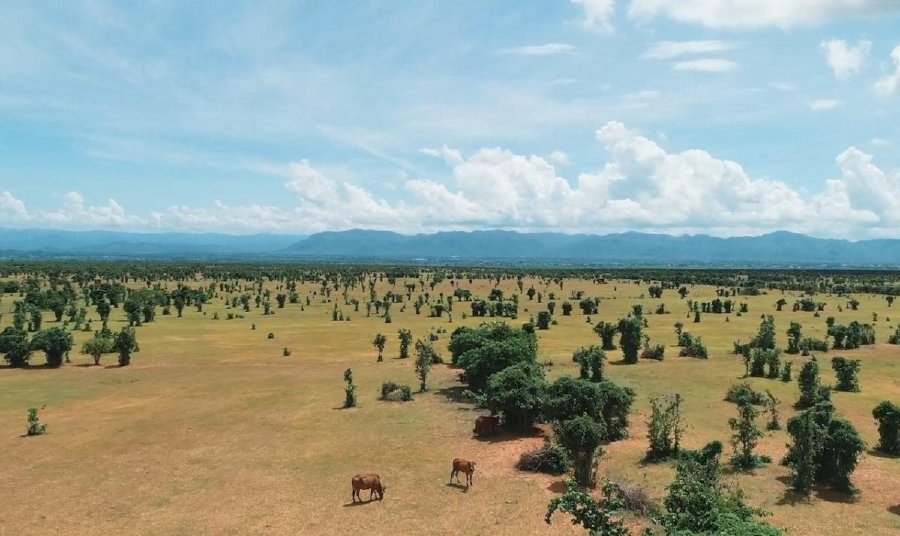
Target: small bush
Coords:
[[654, 352], [549, 458], [270, 336], [286, 352], [743, 390], [395, 392], [35, 428]]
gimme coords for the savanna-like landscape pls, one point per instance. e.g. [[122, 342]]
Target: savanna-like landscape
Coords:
[[232, 414]]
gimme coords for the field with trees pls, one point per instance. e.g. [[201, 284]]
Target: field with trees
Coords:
[[154, 398]]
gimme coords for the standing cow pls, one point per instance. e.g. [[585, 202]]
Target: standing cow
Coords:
[[486, 426], [463, 466], [370, 482]]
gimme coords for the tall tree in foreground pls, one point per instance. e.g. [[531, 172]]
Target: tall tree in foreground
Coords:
[[630, 338]]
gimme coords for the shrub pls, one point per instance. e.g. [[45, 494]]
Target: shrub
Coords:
[[654, 352], [591, 361], [740, 391], [846, 370], [270, 336], [694, 348], [786, 372], [746, 436], [664, 428], [888, 416], [349, 390], [395, 392], [35, 428], [286, 352], [549, 458]]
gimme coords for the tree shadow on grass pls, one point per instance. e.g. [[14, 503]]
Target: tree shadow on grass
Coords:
[[880, 454], [620, 362], [457, 394], [359, 503], [504, 435], [558, 487], [792, 497]]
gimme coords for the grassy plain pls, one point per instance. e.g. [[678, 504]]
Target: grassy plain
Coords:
[[212, 430]]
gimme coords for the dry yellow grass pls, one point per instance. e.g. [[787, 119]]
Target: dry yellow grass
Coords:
[[211, 430]]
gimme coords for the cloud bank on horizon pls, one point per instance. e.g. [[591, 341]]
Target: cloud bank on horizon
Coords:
[[725, 117]]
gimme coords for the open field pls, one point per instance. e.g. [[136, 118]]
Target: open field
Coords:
[[212, 430]]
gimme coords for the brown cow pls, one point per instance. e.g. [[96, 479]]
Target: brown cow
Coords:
[[370, 482], [463, 466], [485, 425]]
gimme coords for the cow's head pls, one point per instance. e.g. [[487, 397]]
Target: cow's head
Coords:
[[381, 493]]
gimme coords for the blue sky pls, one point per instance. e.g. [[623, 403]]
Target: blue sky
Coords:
[[727, 117]]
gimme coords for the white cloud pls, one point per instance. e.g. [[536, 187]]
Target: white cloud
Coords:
[[641, 186], [666, 50], [705, 65], [559, 158], [758, 13], [880, 142], [549, 49], [889, 84], [597, 13], [845, 60], [11, 207], [824, 104]]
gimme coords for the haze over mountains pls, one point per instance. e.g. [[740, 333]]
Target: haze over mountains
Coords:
[[779, 248]]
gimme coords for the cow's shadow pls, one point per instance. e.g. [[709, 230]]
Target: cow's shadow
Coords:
[[462, 487], [360, 503]]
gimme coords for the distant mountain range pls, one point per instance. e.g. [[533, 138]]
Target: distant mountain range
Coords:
[[779, 248]]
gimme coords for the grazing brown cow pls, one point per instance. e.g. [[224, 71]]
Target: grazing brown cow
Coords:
[[463, 466], [485, 425], [370, 482]]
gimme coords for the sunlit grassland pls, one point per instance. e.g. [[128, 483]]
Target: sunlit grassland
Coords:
[[213, 430]]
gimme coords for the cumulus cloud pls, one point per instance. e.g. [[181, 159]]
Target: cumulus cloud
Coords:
[[666, 50], [824, 104], [845, 60], [11, 207], [889, 84], [549, 49], [597, 14], [559, 158], [757, 13], [705, 65], [641, 186]]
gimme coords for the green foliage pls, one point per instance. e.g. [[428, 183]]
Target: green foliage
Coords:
[[517, 392], [852, 335], [742, 391], [657, 352], [745, 436], [97, 346], [825, 449], [692, 346], [664, 428], [543, 320], [847, 371], [35, 428], [607, 332], [794, 335], [591, 360], [425, 357], [698, 503], [55, 343], [549, 458], [349, 390], [396, 392], [809, 383], [599, 518], [888, 416], [405, 337], [487, 350], [14, 346], [581, 437], [125, 344], [378, 342], [786, 372], [630, 338]]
